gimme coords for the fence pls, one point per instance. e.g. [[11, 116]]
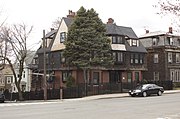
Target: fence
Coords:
[[83, 90]]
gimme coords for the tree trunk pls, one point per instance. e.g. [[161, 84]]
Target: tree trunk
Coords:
[[20, 93]]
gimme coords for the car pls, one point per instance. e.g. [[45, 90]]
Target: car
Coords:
[[2, 97], [146, 90]]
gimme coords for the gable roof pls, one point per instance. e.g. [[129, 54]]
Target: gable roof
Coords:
[[51, 34], [29, 57], [68, 21], [113, 29], [110, 29]]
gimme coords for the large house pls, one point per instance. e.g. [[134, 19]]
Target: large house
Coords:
[[163, 58], [128, 52]]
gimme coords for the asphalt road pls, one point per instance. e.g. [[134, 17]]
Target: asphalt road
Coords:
[[166, 106]]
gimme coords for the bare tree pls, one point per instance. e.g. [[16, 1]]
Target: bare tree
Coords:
[[14, 41], [169, 7], [56, 23]]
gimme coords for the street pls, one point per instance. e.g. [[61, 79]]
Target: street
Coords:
[[153, 107]]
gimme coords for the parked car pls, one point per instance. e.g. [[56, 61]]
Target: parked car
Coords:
[[146, 90], [2, 97]]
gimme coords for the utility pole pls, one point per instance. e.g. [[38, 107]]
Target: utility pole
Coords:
[[44, 55]]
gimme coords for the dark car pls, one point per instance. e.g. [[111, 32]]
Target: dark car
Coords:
[[146, 90], [2, 97]]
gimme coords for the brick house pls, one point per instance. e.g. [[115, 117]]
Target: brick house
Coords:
[[127, 49], [163, 58]]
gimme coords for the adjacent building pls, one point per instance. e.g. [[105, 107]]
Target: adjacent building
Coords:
[[163, 57], [26, 75], [6, 79]]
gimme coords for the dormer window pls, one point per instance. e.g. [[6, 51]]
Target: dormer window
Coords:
[[62, 37], [134, 42], [117, 40], [170, 40], [154, 41]]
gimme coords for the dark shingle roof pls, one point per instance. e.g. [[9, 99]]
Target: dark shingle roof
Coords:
[[51, 33], [68, 21], [140, 48], [113, 29]]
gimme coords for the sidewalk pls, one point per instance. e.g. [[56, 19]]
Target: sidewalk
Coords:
[[118, 95], [94, 97]]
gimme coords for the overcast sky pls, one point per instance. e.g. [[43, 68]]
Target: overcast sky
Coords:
[[138, 14]]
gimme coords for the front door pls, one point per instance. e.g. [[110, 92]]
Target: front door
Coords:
[[114, 76]]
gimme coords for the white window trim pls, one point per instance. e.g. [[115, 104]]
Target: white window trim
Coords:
[[156, 58], [156, 76]]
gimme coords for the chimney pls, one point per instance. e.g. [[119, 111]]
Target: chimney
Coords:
[[147, 31], [71, 14], [110, 21], [52, 29], [170, 30]]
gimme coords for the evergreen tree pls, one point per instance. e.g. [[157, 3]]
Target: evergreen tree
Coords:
[[87, 44]]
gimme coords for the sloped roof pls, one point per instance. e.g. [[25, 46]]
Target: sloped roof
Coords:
[[113, 29], [51, 33], [140, 48], [158, 33], [29, 57], [68, 21]]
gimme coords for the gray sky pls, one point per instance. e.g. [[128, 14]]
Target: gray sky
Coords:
[[138, 14]]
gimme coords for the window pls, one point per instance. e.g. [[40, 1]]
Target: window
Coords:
[[65, 75], [156, 59], [120, 40], [1, 80], [132, 58], [118, 57], [169, 57], [175, 75], [129, 77], [8, 80], [96, 78], [156, 76], [177, 57], [137, 76], [141, 59], [113, 40], [178, 40], [62, 37], [172, 75], [134, 42], [154, 41], [169, 40], [117, 40], [136, 58], [24, 75]]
